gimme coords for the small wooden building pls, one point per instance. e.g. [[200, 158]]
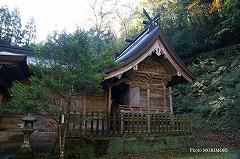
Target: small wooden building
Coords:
[[148, 68], [13, 67]]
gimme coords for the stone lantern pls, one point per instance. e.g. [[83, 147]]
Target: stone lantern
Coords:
[[27, 131]]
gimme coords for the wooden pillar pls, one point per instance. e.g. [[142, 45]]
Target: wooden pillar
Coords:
[[148, 104], [148, 98], [164, 98], [106, 102], [170, 99], [109, 98]]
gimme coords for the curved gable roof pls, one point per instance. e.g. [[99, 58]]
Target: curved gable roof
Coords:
[[150, 40]]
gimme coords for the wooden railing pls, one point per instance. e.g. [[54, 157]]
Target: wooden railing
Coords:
[[141, 109], [127, 124]]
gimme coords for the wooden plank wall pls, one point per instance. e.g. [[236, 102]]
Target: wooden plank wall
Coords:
[[85, 103]]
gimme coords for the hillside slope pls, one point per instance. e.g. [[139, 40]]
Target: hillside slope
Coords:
[[213, 99]]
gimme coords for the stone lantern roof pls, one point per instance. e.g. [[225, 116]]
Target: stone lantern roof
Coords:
[[29, 118]]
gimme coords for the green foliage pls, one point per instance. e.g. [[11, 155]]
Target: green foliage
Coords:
[[213, 99], [11, 30], [65, 65], [29, 99], [192, 26], [73, 61]]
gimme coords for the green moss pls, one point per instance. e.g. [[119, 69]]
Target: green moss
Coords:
[[115, 146], [79, 149], [148, 145]]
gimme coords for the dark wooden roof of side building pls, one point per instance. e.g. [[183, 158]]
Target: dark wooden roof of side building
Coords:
[[16, 49], [13, 65]]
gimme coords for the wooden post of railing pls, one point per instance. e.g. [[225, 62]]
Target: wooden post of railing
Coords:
[[108, 124], [176, 124], [137, 122], [155, 123], [168, 124], [128, 124], [73, 123], [151, 124], [162, 123], [103, 123], [124, 122], [97, 126], [92, 120], [121, 122], [114, 122], [142, 124], [173, 124], [148, 123], [159, 124], [80, 124], [182, 124], [186, 125], [133, 124], [85, 125], [165, 124]]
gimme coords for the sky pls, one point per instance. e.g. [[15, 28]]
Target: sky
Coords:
[[53, 15]]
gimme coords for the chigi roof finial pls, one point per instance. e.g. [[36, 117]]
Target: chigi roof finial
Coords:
[[151, 22]]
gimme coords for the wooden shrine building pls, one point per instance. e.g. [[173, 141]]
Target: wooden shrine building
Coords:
[[142, 81], [148, 68], [137, 99]]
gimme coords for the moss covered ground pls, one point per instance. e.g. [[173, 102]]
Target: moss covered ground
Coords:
[[232, 154]]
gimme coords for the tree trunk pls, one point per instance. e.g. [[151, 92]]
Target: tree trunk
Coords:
[[63, 132]]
